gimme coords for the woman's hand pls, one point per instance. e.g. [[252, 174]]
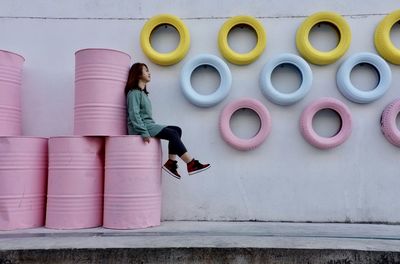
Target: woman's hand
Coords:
[[146, 140]]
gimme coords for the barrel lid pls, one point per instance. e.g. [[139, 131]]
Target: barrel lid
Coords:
[[73, 136], [116, 136], [22, 57], [103, 49], [23, 137]]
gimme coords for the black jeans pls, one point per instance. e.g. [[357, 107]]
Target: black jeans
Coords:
[[173, 135]]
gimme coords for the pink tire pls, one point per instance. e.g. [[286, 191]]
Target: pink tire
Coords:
[[388, 123], [232, 139], [312, 137]]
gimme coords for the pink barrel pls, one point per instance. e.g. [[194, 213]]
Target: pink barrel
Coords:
[[23, 177], [100, 78], [10, 93], [75, 184], [132, 187]]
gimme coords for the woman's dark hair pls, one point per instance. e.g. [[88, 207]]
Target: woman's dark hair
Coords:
[[135, 73]]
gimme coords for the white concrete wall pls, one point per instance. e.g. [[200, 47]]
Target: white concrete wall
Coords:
[[285, 179]]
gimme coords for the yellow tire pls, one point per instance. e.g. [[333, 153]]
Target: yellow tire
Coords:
[[383, 43], [320, 57], [174, 56], [241, 58]]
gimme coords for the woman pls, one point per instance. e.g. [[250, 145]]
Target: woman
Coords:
[[140, 122]]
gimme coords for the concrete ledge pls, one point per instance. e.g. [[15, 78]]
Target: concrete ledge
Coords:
[[198, 255], [201, 242]]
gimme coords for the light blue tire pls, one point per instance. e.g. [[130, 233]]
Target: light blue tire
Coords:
[[222, 91], [277, 97], [350, 91]]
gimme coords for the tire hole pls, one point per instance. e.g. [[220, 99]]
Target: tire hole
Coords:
[[242, 38], [364, 77], [205, 79], [245, 123], [327, 123], [164, 38], [324, 36], [286, 78]]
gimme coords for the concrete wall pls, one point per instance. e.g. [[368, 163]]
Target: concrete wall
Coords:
[[285, 179]]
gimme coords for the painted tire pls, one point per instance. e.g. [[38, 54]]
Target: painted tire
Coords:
[[273, 94], [388, 123], [383, 43], [352, 93], [232, 139], [174, 56], [210, 99], [320, 57], [312, 137], [241, 58]]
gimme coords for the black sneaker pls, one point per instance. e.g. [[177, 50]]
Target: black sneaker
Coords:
[[171, 167], [195, 166]]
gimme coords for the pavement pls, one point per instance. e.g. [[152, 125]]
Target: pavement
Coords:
[[194, 234]]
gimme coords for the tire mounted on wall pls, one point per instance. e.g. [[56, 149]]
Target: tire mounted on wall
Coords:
[[271, 93], [174, 56], [382, 40], [222, 91], [241, 58], [388, 123], [352, 93], [231, 138], [320, 57], [308, 131]]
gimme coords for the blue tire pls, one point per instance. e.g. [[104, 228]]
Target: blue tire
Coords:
[[352, 93], [273, 94], [210, 99]]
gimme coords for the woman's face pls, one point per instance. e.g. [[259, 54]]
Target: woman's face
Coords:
[[146, 76]]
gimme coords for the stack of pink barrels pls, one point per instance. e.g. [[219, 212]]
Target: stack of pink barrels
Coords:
[[97, 177]]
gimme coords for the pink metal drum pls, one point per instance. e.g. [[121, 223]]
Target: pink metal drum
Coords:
[[100, 78], [75, 183], [10, 93], [23, 177], [132, 188]]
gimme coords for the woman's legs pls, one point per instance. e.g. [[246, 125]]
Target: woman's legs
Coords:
[[186, 157], [177, 148], [175, 145]]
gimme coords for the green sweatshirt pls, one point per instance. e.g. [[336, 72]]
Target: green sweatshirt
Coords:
[[140, 121]]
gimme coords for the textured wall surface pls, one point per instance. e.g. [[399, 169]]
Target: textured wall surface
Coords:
[[285, 179]]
